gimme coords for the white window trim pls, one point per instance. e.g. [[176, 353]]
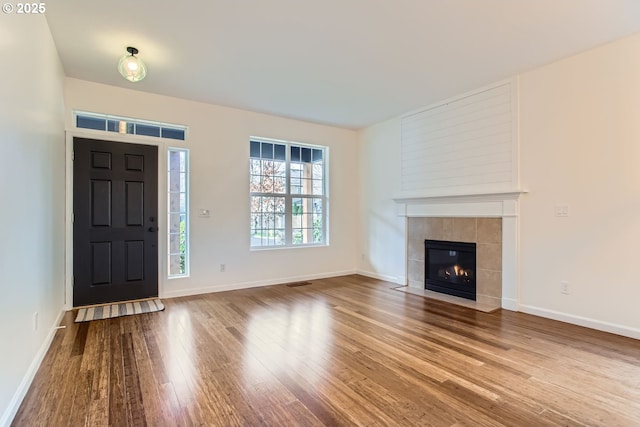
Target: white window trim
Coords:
[[288, 196], [187, 226]]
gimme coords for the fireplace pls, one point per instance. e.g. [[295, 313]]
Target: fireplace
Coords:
[[450, 268]]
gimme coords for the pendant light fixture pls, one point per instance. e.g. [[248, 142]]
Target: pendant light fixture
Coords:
[[131, 67]]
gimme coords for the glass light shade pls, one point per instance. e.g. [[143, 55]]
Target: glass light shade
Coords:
[[132, 68]]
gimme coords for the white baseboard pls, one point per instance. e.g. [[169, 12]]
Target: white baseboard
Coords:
[[510, 304], [12, 409], [392, 279], [247, 285], [582, 321]]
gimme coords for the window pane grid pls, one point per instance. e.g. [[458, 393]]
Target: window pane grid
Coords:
[[307, 220], [178, 208], [177, 202], [297, 173], [268, 176], [107, 123], [267, 221]]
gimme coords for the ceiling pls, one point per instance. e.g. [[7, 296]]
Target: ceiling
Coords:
[[346, 63]]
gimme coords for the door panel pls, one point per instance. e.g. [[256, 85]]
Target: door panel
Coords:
[[135, 203], [115, 239], [135, 260], [100, 203], [100, 263]]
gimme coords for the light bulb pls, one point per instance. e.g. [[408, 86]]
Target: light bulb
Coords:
[[131, 67]]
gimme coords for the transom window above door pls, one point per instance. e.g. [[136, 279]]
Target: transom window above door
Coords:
[[128, 125]]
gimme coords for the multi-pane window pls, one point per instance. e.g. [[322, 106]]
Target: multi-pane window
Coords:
[[131, 126], [178, 199], [288, 194]]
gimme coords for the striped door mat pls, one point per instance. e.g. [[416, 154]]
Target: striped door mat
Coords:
[[120, 309]]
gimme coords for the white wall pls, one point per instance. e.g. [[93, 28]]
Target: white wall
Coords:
[[381, 229], [580, 145], [219, 144], [32, 193]]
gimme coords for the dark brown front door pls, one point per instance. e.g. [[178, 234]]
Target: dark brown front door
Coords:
[[115, 226]]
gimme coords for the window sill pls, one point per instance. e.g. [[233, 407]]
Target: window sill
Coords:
[[181, 276], [279, 248]]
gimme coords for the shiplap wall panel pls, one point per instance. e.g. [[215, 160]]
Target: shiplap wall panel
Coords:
[[467, 143]]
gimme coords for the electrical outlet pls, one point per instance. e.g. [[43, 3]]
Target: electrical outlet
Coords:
[[562, 210], [564, 287], [35, 321], [223, 268]]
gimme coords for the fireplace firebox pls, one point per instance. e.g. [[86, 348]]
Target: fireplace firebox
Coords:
[[450, 268]]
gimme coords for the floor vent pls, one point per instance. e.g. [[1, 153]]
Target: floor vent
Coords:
[[296, 284]]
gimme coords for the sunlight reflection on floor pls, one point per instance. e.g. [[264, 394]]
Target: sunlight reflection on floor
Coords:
[[288, 339], [179, 364]]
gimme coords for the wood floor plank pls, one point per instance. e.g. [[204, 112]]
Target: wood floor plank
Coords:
[[117, 404], [343, 351]]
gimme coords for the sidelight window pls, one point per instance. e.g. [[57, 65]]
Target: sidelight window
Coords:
[[178, 208]]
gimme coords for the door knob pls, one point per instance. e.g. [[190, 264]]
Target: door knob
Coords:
[[152, 229]]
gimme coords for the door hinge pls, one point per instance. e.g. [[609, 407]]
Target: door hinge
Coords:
[[73, 218], [73, 156]]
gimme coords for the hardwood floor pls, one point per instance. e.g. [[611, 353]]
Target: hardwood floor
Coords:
[[341, 351]]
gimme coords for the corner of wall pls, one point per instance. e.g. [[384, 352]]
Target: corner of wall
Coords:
[[14, 405]]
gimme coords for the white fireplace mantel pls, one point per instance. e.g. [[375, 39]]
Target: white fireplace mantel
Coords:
[[495, 204], [503, 205], [436, 198]]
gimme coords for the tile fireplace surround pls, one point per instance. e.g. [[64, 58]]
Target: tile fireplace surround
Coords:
[[485, 232], [490, 220]]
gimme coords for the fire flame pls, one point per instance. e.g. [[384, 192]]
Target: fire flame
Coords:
[[457, 271]]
